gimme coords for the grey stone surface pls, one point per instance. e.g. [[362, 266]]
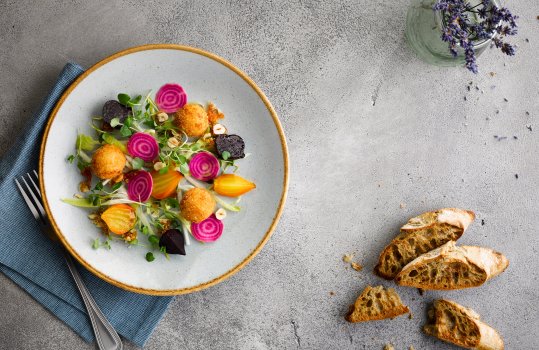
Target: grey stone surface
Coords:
[[369, 127]]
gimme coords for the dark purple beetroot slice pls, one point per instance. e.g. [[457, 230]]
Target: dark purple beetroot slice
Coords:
[[173, 241], [233, 144], [114, 109]]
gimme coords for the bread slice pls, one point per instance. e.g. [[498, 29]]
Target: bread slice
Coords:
[[420, 235], [459, 325], [376, 303], [451, 267]]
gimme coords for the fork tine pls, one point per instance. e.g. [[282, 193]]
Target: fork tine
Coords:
[[28, 201], [34, 184], [36, 200]]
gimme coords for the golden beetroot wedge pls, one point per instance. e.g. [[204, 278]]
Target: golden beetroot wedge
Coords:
[[232, 185], [120, 218], [164, 185]]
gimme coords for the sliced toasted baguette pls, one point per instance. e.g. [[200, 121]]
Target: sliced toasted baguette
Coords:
[[376, 303], [461, 326], [450, 267], [420, 235]]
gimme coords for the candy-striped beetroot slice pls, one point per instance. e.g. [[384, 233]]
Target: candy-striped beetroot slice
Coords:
[[140, 185], [144, 146], [204, 166], [208, 230], [170, 98]]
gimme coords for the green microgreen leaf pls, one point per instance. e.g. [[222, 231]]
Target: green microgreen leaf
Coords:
[[108, 138], [225, 155], [114, 122], [71, 158], [182, 159], [137, 163], [134, 101], [153, 239], [79, 202], [128, 121], [150, 257], [163, 170], [163, 250], [149, 123], [172, 202], [96, 244], [86, 143], [98, 186], [184, 168], [124, 99], [116, 186], [125, 131], [81, 164]]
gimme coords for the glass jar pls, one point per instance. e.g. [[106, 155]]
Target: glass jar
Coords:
[[424, 30]]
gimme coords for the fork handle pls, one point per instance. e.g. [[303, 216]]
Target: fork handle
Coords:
[[105, 335]]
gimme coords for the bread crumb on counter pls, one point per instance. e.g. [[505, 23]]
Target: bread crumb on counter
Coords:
[[347, 258], [356, 266]]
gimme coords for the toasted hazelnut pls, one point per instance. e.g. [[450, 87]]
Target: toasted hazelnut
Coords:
[[173, 142], [162, 117], [159, 165], [220, 214], [130, 235], [219, 129], [84, 187]]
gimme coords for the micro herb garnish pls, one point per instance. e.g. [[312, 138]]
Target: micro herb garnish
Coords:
[[71, 158], [225, 155], [150, 257], [125, 131], [184, 168], [127, 101], [115, 122], [96, 244], [163, 250], [153, 239], [116, 186], [163, 170], [124, 99], [98, 186], [137, 163]]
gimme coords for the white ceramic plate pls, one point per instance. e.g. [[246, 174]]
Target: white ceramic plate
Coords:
[[205, 77]]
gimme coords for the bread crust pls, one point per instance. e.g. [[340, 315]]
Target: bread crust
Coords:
[[478, 262], [480, 337], [453, 216], [389, 302], [421, 234]]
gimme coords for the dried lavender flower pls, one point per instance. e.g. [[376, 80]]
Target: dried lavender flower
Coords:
[[494, 22]]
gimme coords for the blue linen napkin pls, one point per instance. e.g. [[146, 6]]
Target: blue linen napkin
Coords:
[[36, 264]]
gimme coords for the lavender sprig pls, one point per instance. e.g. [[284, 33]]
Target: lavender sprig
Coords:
[[495, 22]]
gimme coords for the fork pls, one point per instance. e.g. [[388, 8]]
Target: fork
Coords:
[[105, 335]]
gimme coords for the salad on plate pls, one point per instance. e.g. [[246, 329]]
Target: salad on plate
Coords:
[[157, 172]]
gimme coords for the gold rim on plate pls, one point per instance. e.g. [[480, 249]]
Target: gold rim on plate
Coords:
[[275, 218]]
